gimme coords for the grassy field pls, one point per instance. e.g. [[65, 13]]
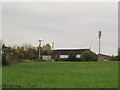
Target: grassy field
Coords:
[[61, 75]]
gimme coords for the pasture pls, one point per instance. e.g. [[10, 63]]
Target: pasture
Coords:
[[61, 75]]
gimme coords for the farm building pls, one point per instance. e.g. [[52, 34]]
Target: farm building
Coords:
[[63, 54]]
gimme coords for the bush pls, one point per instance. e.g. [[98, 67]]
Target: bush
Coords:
[[5, 61], [114, 58], [88, 56], [72, 56]]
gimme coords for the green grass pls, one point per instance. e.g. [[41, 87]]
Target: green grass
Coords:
[[61, 75]]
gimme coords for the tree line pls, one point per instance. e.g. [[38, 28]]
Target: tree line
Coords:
[[28, 52], [12, 54]]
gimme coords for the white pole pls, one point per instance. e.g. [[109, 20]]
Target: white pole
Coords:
[[52, 45], [39, 48], [99, 47], [99, 44]]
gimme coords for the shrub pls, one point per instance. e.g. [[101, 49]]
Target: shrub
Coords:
[[5, 61], [114, 58], [72, 56], [88, 56]]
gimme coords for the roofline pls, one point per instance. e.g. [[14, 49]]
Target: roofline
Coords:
[[70, 49], [104, 54]]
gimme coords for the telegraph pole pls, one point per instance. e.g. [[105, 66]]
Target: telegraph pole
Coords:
[[39, 48]]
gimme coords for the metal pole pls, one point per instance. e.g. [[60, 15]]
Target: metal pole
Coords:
[[99, 47], [52, 45], [39, 48], [99, 59]]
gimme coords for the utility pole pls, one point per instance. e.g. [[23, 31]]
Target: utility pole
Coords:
[[99, 34], [39, 48]]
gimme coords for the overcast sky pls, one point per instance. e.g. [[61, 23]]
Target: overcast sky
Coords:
[[69, 25]]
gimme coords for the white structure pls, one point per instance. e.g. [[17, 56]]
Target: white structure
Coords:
[[100, 58], [78, 56], [63, 56], [66, 56], [46, 57]]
